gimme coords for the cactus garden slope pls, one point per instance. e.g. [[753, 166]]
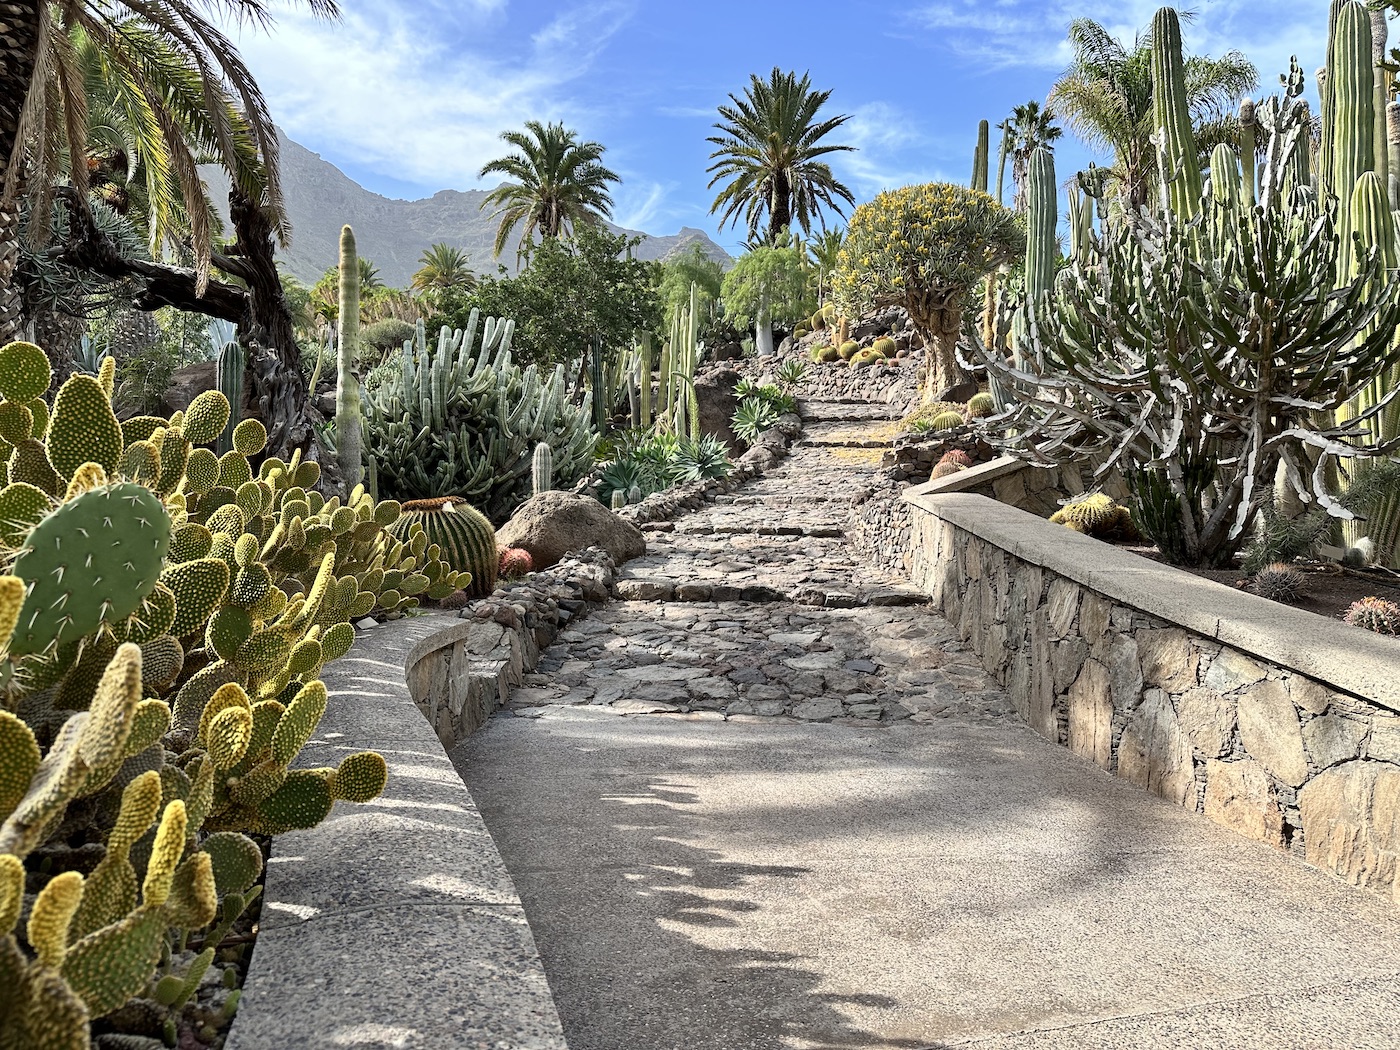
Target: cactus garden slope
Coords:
[[393, 924]]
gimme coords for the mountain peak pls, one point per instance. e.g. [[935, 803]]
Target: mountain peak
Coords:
[[321, 198]]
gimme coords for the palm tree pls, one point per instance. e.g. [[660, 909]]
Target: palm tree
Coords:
[[177, 81], [1105, 98], [767, 152], [442, 268], [824, 249], [559, 181], [1030, 127]]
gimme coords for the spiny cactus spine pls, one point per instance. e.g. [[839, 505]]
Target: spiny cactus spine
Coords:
[[348, 416]]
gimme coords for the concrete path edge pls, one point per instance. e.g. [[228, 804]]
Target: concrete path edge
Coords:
[[394, 923]]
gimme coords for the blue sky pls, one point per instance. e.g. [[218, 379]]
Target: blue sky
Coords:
[[408, 96]]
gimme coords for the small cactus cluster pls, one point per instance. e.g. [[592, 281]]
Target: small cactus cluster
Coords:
[[952, 463], [516, 562], [165, 614], [1375, 614], [1096, 515], [1279, 582]]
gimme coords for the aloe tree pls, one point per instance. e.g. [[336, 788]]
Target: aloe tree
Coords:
[[1105, 98], [768, 156], [558, 182]]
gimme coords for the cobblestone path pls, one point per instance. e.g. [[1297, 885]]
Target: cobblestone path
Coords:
[[758, 607], [771, 802]]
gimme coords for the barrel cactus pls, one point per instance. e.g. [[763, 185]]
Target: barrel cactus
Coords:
[[1375, 614], [946, 421], [1279, 582], [464, 535]]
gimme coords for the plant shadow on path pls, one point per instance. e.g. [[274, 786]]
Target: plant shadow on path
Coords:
[[625, 973]]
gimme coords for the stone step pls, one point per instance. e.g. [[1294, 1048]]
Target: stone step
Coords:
[[662, 589], [820, 442]]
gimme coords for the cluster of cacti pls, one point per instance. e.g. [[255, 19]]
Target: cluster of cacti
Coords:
[[163, 627], [516, 562], [463, 420], [463, 535], [1095, 515], [801, 332], [1374, 614], [1279, 582]]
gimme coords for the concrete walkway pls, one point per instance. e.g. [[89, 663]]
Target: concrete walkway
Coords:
[[878, 863]]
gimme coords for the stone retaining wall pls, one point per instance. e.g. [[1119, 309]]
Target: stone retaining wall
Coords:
[[1279, 724]]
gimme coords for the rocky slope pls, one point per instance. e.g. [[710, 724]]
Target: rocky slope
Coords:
[[394, 233]]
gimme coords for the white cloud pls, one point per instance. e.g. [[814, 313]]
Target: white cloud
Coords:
[[1009, 33], [638, 203], [420, 90], [885, 137]]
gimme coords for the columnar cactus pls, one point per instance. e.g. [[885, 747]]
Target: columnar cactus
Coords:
[[349, 448], [1351, 101], [542, 469], [1171, 114], [979, 158], [229, 370]]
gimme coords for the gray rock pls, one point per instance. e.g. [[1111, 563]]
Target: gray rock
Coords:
[[818, 709], [552, 524]]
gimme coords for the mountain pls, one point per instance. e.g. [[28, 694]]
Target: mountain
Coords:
[[394, 233]]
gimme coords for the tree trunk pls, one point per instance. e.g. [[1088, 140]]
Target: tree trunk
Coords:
[[19, 49], [779, 208], [938, 327]]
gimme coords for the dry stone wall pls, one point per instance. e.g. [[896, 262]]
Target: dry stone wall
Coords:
[[1278, 724]]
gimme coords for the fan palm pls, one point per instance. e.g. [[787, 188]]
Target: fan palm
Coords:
[[767, 154], [1030, 127], [178, 84], [441, 268], [1105, 98], [559, 181]]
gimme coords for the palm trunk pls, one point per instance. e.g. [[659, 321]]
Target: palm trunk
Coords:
[[779, 208], [19, 50]]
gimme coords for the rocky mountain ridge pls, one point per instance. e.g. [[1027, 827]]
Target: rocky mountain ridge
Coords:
[[394, 233]]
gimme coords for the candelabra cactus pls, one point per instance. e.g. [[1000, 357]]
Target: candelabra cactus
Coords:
[[463, 420], [348, 414]]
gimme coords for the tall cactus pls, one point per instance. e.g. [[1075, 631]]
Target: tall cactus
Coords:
[[1379, 75], [1249, 147], [229, 367], [542, 469], [979, 157], [1001, 162], [1042, 216], [1176, 145], [347, 389], [1351, 103]]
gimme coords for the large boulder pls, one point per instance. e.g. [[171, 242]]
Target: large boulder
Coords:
[[552, 524], [714, 390], [188, 383]]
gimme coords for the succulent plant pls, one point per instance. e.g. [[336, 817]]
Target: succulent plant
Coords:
[[1279, 582], [945, 468], [464, 535], [829, 354], [516, 562], [848, 349], [980, 406], [885, 347], [162, 635], [957, 456], [946, 421], [542, 469], [619, 499], [1095, 514], [1375, 614], [463, 420]]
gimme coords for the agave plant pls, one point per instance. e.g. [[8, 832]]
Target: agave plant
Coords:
[[790, 373], [755, 415], [700, 460]]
